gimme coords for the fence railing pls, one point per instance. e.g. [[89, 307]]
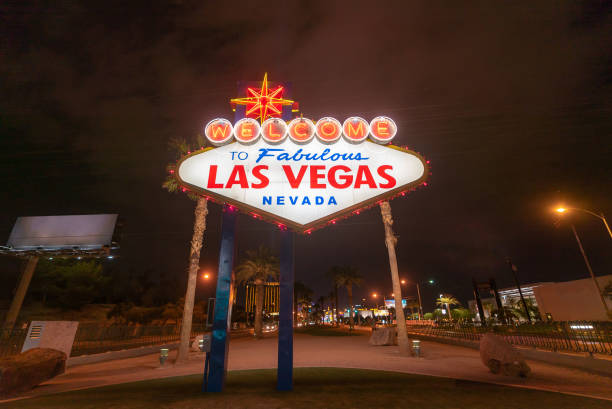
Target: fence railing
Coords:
[[95, 338], [574, 336]]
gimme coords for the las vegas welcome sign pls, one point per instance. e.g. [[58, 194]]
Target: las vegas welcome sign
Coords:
[[301, 174]]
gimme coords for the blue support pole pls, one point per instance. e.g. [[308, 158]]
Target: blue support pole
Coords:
[[285, 327], [220, 337]]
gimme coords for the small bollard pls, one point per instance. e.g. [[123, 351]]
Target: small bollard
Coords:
[[163, 355], [416, 347]]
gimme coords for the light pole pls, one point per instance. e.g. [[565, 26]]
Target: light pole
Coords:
[[586, 261], [600, 216], [562, 210], [418, 287]]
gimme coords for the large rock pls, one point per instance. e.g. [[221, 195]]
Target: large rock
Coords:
[[195, 345], [501, 357], [22, 372], [384, 336]]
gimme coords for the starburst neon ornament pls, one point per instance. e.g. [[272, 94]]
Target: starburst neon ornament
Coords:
[[264, 103]]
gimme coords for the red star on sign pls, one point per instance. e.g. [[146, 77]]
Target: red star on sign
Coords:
[[263, 103]]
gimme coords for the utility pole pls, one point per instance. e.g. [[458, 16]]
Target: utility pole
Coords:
[[586, 261], [518, 285], [420, 303], [390, 241]]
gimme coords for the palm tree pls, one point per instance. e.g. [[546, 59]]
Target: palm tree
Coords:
[[259, 266], [180, 147], [333, 274], [301, 295], [412, 304], [447, 301], [348, 277]]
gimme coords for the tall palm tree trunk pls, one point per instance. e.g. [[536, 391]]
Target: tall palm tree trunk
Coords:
[[259, 299], [390, 240], [450, 315], [199, 226]]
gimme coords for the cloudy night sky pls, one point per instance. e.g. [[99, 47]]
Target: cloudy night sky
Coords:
[[510, 101]]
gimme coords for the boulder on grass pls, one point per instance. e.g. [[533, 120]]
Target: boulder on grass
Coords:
[[384, 336], [22, 372], [501, 357]]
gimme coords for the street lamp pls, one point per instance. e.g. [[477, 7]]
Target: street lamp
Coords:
[[600, 216], [562, 210], [418, 287]]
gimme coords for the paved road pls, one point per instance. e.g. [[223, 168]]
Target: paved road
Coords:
[[349, 352]]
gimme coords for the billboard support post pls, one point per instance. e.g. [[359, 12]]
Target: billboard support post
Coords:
[[285, 327], [22, 289]]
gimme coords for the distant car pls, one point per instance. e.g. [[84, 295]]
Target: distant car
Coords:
[[271, 327]]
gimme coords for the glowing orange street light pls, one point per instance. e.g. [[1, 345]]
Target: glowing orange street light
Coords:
[[206, 276], [403, 281], [374, 295], [600, 216]]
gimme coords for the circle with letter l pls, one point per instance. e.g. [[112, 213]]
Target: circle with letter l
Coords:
[[274, 130]]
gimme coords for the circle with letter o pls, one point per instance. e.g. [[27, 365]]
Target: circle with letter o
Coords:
[[328, 129]]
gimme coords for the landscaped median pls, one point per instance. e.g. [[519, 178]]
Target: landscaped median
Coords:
[[314, 388]]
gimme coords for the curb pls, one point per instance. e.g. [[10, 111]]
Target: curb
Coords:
[[592, 365]]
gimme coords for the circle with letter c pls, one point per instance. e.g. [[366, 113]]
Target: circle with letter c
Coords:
[[328, 129], [301, 130]]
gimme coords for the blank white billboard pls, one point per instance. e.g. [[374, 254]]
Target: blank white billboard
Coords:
[[83, 232]]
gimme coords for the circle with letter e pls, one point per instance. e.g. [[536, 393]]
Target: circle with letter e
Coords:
[[382, 129], [246, 130]]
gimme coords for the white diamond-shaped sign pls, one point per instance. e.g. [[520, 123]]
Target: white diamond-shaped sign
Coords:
[[302, 185]]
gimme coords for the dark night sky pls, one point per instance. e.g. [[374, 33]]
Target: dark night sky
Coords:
[[511, 102]]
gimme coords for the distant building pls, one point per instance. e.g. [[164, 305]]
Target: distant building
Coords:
[[563, 301], [271, 298]]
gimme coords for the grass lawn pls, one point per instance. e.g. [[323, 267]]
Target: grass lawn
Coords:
[[314, 388], [324, 331]]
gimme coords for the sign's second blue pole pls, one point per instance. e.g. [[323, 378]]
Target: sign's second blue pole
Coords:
[[220, 331], [285, 328]]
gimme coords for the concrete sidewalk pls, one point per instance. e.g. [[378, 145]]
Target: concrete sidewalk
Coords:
[[341, 351]]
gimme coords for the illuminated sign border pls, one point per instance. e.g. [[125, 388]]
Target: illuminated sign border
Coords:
[[283, 223]]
